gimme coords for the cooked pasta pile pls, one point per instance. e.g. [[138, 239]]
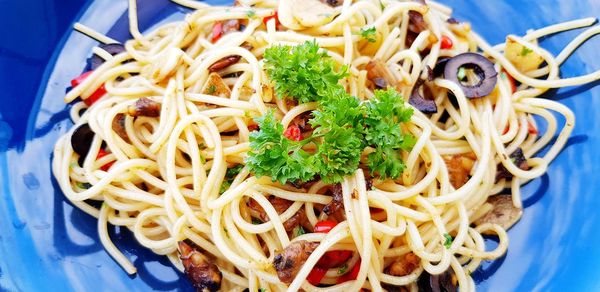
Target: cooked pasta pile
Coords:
[[170, 133]]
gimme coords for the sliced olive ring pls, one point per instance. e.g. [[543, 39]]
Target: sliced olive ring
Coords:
[[426, 106], [113, 49], [81, 139], [484, 68]]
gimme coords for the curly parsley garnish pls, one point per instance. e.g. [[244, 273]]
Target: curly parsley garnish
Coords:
[[343, 125], [302, 72]]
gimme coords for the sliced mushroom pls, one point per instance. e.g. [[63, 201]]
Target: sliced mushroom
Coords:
[[216, 86], [503, 213], [523, 58], [459, 168], [404, 266], [118, 126], [380, 75], [288, 262], [312, 13], [200, 270], [337, 202], [144, 107]]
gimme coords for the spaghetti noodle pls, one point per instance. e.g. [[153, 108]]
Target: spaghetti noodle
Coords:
[[167, 176]]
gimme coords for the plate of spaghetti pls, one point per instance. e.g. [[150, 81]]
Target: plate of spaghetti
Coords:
[[314, 145]]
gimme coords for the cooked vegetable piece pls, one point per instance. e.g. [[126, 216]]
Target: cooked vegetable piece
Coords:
[[380, 75], [503, 213], [216, 86], [444, 282], [482, 67], [200, 270], [144, 107], [426, 106], [118, 126], [224, 63], [336, 200], [288, 262], [404, 265], [518, 158], [459, 168], [280, 205], [81, 139], [523, 58], [95, 61], [311, 13]]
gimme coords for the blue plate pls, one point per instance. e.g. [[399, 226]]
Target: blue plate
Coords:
[[46, 244]]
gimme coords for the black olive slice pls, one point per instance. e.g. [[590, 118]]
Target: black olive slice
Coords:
[[426, 106], [113, 49], [81, 139], [484, 68]]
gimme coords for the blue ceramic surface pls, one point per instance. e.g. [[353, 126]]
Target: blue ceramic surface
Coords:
[[47, 245]]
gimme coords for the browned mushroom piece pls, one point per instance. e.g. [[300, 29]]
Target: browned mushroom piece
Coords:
[[118, 126], [224, 63], [503, 212], [144, 107], [288, 262], [204, 275], [380, 75], [459, 168], [281, 205], [404, 265], [216, 86], [337, 201]]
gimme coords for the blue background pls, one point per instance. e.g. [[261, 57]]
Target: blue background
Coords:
[[46, 244]]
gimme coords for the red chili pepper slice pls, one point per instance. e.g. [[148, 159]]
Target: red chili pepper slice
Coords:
[[102, 153], [274, 16], [325, 226], [531, 128], [446, 43], [101, 91], [217, 31], [513, 83], [293, 133], [332, 258], [352, 275], [316, 275]]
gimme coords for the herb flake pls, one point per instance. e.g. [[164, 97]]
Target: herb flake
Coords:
[[448, 240]]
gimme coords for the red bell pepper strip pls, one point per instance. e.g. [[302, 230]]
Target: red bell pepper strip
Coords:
[[446, 43], [101, 154], [101, 91]]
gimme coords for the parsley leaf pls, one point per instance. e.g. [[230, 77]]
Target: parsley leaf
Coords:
[[338, 123], [272, 154], [251, 14], [298, 230], [525, 51], [369, 34], [448, 241], [301, 72], [385, 113]]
